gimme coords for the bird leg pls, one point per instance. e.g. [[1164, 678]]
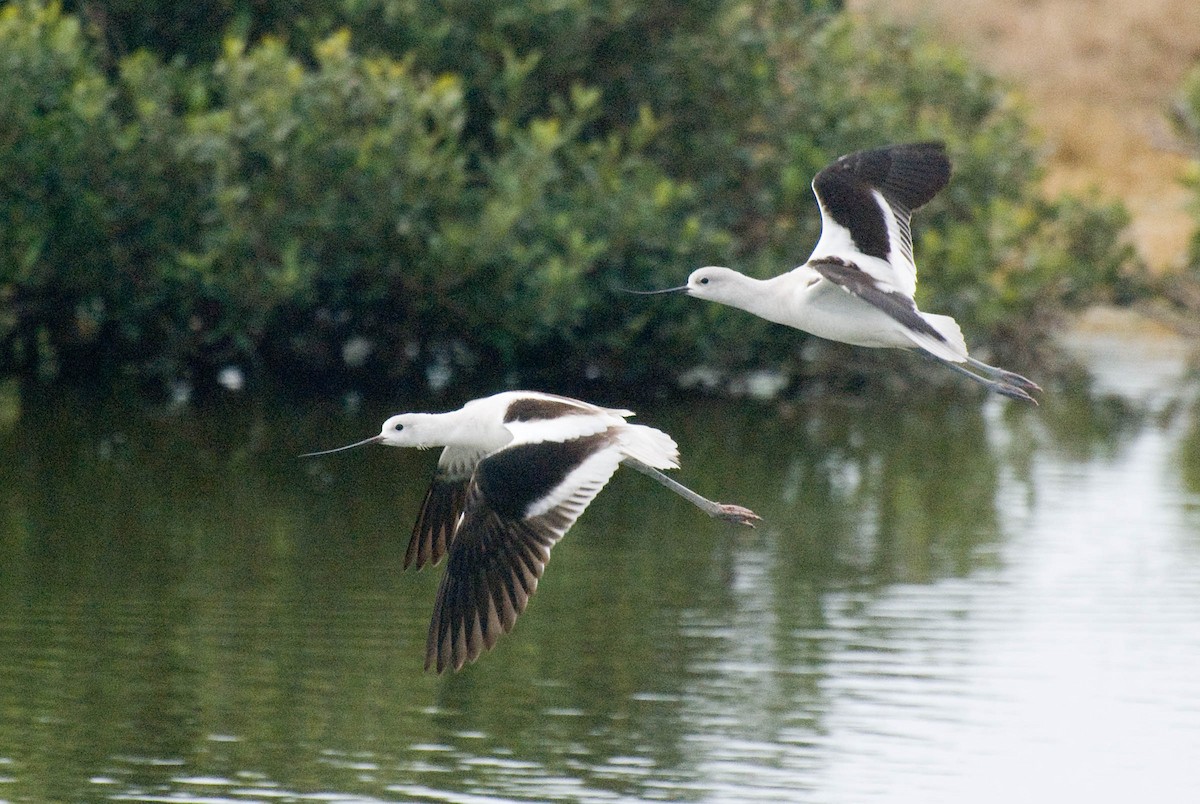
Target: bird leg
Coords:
[[1009, 377], [1000, 384], [730, 513]]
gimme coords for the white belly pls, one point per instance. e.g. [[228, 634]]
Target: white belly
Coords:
[[832, 313]]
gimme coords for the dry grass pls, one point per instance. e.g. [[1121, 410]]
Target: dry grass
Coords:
[[1097, 75]]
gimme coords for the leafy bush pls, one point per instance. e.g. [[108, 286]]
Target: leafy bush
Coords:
[[204, 205], [56, 134], [400, 193]]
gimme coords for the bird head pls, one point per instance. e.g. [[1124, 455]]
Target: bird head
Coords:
[[711, 282], [406, 430], [401, 430]]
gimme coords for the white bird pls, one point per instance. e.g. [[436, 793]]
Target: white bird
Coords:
[[517, 470], [858, 285]]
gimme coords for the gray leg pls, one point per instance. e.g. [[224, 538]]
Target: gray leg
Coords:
[[1000, 386], [730, 513], [1003, 375]]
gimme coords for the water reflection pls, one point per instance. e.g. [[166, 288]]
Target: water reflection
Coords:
[[940, 592]]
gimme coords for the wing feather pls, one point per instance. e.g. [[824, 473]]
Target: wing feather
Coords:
[[502, 544], [867, 199], [441, 507], [857, 282]]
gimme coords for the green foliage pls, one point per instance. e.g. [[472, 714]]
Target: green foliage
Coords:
[[315, 187], [208, 204], [388, 191], [194, 31], [56, 134]]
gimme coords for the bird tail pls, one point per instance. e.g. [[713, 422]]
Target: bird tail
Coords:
[[953, 348], [651, 447]]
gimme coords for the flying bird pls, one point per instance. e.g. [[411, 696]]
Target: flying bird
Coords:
[[858, 285], [516, 471]]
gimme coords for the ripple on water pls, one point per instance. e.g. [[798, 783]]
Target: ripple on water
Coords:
[[1054, 659]]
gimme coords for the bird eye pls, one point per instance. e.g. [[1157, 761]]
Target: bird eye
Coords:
[[398, 427], [704, 280]]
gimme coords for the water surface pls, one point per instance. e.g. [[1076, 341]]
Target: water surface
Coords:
[[946, 602]]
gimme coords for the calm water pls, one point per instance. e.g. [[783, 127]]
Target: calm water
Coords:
[[946, 603]]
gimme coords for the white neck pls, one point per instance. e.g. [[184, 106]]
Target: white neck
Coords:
[[467, 428], [435, 429], [455, 428], [752, 295]]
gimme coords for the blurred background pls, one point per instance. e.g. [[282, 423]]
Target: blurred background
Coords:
[[234, 232]]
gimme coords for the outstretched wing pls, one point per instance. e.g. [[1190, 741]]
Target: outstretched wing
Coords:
[[867, 199], [442, 507], [519, 503]]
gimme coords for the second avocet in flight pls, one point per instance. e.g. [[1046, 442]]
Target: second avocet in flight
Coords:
[[858, 285]]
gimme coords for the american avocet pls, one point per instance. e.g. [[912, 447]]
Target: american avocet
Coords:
[[858, 285], [517, 470]]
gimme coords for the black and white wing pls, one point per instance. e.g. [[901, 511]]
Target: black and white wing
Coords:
[[519, 503], [442, 507], [532, 416], [525, 415], [867, 199]]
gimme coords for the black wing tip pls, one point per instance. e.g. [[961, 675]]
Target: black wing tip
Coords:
[[492, 572], [433, 532], [933, 150], [927, 158], [920, 145], [908, 174], [440, 663], [454, 645]]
